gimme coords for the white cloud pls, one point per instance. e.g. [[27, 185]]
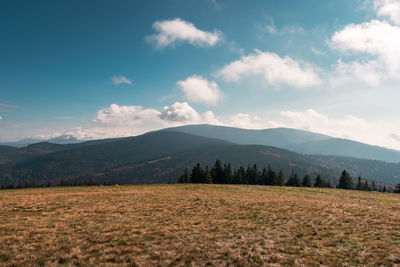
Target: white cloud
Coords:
[[118, 80], [378, 45], [1, 117], [184, 113], [317, 51], [271, 28], [273, 68], [178, 30], [119, 121], [246, 121], [395, 136], [389, 9], [349, 126], [198, 89], [125, 115]]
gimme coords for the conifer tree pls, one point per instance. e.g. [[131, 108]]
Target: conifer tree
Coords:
[[207, 176], [184, 178], [264, 177], [293, 180], [271, 176], [345, 181], [227, 173], [247, 176], [280, 181], [197, 174], [217, 172], [307, 181], [318, 181]]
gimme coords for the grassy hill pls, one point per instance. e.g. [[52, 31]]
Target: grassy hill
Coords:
[[198, 225]]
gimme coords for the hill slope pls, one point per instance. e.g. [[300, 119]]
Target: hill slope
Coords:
[[344, 147], [278, 137], [296, 140]]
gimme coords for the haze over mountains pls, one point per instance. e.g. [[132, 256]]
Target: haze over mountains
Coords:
[[160, 156], [295, 140]]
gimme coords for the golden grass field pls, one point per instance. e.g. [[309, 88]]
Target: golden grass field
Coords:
[[198, 225]]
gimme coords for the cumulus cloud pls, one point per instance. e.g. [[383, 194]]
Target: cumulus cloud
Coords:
[[125, 115], [118, 80], [184, 113], [388, 9], [317, 51], [118, 121], [271, 28], [348, 126], [377, 43], [273, 68], [246, 121], [201, 90], [395, 137], [176, 30]]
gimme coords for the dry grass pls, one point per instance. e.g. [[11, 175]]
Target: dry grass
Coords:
[[198, 225]]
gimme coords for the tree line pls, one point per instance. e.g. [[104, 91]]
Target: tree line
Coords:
[[252, 175]]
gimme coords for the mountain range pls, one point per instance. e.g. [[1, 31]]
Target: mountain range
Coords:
[[295, 140], [161, 156]]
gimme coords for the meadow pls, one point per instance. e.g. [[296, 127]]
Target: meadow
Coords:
[[198, 225]]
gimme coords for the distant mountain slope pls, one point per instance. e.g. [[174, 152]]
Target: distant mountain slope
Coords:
[[345, 147], [62, 140], [295, 140], [278, 137], [94, 156], [7, 149], [159, 157]]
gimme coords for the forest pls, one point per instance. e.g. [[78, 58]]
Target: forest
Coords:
[[252, 175]]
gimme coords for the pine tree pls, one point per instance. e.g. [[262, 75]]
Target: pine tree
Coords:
[[185, 178], [247, 176], [345, 181], [318, 181], [237, 177], [280, 181], [264, 177], [227, 174], [207, 176], [293, 180], [307, 181], [253, 174], [217, 173], [197, 174], [384, 189], [271, 176]]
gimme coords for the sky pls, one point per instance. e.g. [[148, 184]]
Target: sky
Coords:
[[97, 68]]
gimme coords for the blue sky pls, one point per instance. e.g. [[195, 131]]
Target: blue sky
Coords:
[[97, 69]]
